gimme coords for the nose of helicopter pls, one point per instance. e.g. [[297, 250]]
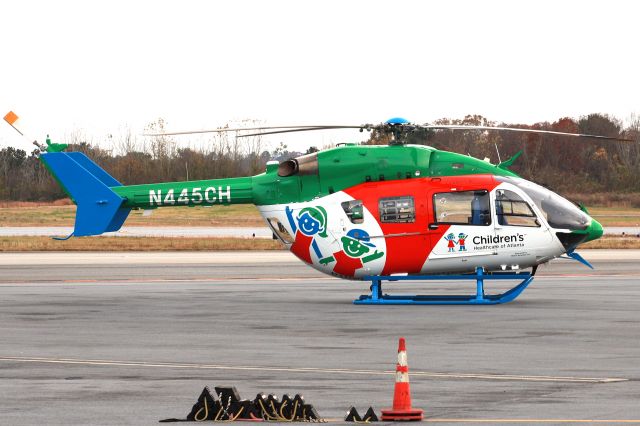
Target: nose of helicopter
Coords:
[[593, 231]]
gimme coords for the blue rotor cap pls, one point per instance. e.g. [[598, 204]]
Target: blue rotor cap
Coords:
[[397, 120]]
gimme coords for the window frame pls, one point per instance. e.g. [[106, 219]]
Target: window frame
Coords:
[[521, 201], [348, 208], [280, 231], [475, 192]]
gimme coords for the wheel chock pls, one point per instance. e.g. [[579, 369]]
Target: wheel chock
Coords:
[[206, 408], [284, 412], [370, 416], [268, 406], [266, 412], [291, 408], [297, 407], [352, 415], [309, 413], [273, 402]]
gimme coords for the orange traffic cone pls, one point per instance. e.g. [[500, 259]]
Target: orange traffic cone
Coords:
[[402, 410]]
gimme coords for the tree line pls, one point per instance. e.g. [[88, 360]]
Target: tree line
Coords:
[[565, 164]]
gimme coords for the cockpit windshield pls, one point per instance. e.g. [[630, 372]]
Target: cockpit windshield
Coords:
[[559, 212]]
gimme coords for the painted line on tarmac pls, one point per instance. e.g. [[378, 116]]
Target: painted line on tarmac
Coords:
[[491, 421], [444, 420], [589, 275], [531, 421], [129, 281], [342, 371]]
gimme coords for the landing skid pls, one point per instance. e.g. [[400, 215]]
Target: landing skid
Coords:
[[377, 298]]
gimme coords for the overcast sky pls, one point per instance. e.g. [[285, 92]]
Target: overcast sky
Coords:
[[102, 66]]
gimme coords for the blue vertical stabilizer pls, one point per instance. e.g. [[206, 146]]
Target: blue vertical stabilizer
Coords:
[[93, 168], [99, 208]]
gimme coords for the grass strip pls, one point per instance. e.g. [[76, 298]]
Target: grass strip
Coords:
[[22, 244], [54, 215], [613, 242], [17, 244]]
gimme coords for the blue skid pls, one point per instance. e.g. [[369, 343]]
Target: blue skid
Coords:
[[378, 298]]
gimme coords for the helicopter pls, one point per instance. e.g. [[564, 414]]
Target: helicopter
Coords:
[[370, 212]]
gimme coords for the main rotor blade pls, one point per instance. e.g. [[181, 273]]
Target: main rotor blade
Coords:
[[223, 130], [303, 129], [271, 130], [510, 129]]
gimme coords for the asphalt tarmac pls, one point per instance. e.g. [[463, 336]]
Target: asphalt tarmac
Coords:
[[133, 338]]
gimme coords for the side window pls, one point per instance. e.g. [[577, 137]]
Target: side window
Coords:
[[462, 208], [354, 210], [280, 231], [512, 210], [397, 210]]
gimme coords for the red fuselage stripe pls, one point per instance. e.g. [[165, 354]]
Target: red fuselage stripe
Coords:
[[407, 253]]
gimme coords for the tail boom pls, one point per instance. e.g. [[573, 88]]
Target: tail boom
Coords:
[[190, 193]]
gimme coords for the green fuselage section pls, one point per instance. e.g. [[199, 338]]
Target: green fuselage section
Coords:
[[311, 176]]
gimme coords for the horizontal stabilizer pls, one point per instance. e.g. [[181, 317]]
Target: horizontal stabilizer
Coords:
[[99, 208], [573, 255]]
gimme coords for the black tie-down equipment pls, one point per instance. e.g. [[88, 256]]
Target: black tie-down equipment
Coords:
[[226, 406]]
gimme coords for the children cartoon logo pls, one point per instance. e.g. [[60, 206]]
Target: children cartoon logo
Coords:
[[309, 222], [461, 242], [462, 237], [356, 251]]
